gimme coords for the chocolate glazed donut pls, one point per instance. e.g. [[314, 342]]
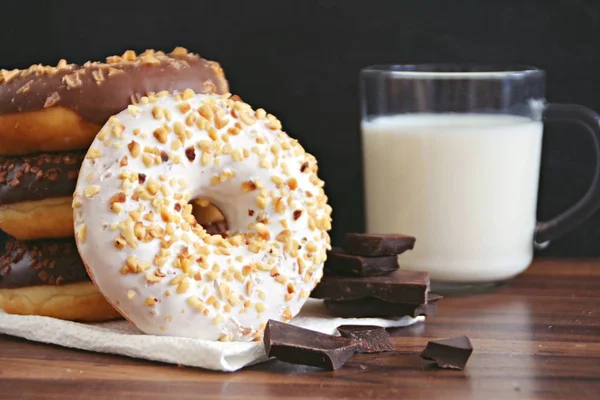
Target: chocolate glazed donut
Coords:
[[48, 278], [36, 193], [62, 108]]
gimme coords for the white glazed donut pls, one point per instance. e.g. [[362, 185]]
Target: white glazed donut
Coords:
[[146, 253]]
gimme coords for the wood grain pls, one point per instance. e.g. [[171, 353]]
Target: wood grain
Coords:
[[538, 337]]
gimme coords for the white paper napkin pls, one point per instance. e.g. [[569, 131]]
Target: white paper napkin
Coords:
[[120, 337]]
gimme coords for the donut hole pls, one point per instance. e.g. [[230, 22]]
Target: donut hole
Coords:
[[209, 216]]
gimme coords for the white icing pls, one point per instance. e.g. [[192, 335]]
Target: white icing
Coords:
[[97, 227]]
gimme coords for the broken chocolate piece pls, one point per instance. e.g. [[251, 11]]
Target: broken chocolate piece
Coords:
[[297, 345], [340, 263], [371, 245], [376, 308], [373, 339], [400, 286], [449, 353]]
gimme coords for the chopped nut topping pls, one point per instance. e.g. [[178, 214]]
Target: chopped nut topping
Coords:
[[120, 243], [147, 159], [25, 88], [72, 80], [249, 287], [212, 133], [161, 135], [184, 285], [51, 100], [261, 202], [287, 314], [277, 180], [263, 231], [91, 191], [292, 183], [248, 186], [7, 76], [187, 93], [260, 307], [129, 55], [81, 233], [179, 51], [150, 301], [280, 205], [190, 153], [134, 148], [195, 302], [206, 112], [134, 110], [247, 119]]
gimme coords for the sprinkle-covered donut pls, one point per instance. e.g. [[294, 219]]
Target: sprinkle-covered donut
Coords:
[[62, 107], [145, 251]]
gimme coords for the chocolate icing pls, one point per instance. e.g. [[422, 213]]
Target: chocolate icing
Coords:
[[39, 176], [97, 91], [40, 262]]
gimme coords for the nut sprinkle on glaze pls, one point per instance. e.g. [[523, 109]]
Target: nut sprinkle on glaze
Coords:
[[38, 176], [153, 261], [96, 90]]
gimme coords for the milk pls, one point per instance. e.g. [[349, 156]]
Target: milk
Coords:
[[464, 184]]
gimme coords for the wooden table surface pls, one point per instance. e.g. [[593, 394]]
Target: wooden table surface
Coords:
[[538, 337]]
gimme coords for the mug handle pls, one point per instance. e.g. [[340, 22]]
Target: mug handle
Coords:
[[584, 208]]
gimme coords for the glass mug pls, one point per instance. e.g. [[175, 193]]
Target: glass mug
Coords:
[[451, 155]]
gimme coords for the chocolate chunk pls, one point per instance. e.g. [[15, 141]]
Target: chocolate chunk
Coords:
[[297, 345], [400, 287], [376, 308], [373, 339], [342, 264], [449, 353], [372, 245]]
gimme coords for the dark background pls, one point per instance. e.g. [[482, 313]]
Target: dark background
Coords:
[[300, 60]]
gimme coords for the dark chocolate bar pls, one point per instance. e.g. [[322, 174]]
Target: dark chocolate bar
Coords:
[[400, 286], [297, 345], [449, 353], [376, 308], [340, 263], [375, 245], [373, 339]]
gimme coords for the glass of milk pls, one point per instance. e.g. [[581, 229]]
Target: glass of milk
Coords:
[[451, 155]]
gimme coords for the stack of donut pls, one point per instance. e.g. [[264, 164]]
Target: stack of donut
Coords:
[[48, 118]]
